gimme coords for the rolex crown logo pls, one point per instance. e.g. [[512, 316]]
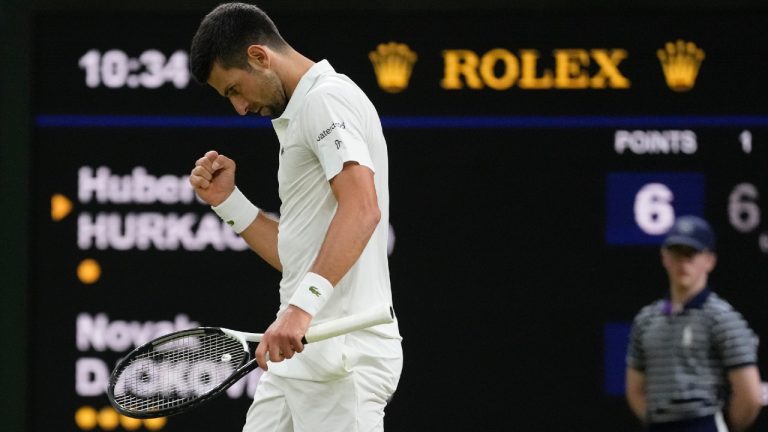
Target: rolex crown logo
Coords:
[[393, 63], [680, 61]]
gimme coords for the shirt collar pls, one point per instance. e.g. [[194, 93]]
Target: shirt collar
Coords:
[[306, 82], [697, 302]]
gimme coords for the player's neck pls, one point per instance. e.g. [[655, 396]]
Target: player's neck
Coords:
[[680, 294], [292, 66]]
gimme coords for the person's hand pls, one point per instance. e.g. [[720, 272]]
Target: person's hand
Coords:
[[213, 177], [283, 338]]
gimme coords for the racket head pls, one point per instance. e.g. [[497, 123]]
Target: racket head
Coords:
[[179, 371]]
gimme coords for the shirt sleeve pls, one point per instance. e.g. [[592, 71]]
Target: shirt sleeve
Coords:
[[334, 127], [735, 341], [635, 352]]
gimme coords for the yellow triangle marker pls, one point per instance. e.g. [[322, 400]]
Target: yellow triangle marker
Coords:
[[61, 206]]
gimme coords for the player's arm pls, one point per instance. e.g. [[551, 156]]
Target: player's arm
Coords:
[[356, 218], [357, 215], [213, 179], [746, 397], [636, 393], [261, 237]]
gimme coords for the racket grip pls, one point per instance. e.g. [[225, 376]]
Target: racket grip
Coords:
[[378, 315]]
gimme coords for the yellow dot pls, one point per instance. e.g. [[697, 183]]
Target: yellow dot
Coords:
[[130, 423], [108, 418], [89, 271], [85, 418], [155, 423], [61, 206]]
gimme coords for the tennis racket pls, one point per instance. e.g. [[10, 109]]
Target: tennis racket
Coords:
[[184, 369]]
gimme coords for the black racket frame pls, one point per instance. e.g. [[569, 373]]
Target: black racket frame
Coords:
[[246, 365]]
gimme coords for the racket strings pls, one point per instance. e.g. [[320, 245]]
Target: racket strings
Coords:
[[177, 371]]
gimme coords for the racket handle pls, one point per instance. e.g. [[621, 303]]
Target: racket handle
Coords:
[[379, 315]]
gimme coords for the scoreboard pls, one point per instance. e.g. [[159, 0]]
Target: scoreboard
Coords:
[[537, 160]]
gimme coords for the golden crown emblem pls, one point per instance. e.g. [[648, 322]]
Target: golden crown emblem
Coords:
[[393, 63], [680, 62]]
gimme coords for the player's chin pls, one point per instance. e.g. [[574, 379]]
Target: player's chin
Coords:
[[272, 112]]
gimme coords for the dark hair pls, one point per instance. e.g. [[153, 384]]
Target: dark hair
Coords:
[[225, 34]]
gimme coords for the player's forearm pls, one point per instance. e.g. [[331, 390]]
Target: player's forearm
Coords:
[[742, 413], [746, 397], [261, 237], [638, 405], [348, 234], [636, 393]]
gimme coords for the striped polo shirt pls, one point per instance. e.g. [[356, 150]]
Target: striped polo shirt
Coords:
[[685, 356]]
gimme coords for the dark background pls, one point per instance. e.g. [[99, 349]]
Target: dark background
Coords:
[[502, 275]]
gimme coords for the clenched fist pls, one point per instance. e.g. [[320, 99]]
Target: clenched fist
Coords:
[[213, 177]]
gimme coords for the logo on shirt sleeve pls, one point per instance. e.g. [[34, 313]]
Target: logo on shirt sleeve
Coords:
[[330, 129]]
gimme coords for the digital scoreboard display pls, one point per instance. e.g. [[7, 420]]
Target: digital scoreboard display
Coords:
[[537, 160]]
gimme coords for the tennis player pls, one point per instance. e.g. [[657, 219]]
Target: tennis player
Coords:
[[692, 358], [330, 242]]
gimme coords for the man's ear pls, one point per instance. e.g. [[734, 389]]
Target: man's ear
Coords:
[[258, 55], [712, 261]]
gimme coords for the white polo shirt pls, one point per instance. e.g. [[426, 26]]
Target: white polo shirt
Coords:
[[329, 121]]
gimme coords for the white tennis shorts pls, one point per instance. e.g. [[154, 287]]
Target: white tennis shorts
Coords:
[[354, 402]]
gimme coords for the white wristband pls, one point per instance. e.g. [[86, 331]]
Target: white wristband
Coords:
[[237, 211], [312, 294]]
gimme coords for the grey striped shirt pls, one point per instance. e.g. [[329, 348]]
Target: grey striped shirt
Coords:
[[685, 356]]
